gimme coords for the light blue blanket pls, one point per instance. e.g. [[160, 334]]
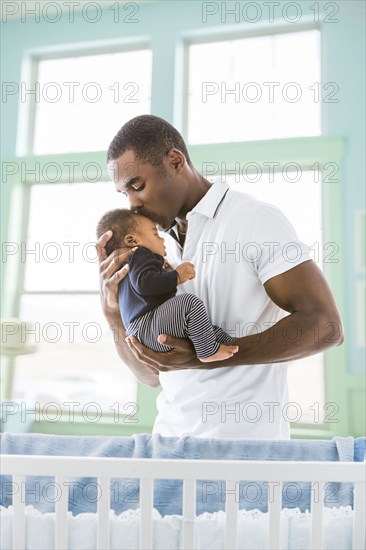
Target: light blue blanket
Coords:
[[168, 493]]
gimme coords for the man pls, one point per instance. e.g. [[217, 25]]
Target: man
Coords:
[[246, 276]]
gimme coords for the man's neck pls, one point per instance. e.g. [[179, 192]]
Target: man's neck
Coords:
[[198, 188]]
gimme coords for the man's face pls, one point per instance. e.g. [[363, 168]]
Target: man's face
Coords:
[[152, 191]]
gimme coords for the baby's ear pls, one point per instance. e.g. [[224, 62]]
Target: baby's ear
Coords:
[[130, 240]]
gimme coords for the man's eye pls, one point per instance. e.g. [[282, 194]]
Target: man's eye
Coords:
[[139, 188]]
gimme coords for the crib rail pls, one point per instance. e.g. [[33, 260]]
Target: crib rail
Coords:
[[232, 471]]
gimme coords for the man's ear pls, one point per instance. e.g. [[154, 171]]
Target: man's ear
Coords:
[[130, 240], [176, 159]]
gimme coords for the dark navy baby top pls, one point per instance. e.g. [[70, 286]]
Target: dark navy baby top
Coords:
[[146, 286]]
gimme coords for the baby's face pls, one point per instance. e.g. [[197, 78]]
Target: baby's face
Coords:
[[148, 236]]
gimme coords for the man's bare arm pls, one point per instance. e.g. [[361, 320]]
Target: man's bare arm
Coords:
[[110, 275], [144, 373], [314, 325]]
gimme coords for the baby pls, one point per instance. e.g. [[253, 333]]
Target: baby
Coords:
[[147, 295]]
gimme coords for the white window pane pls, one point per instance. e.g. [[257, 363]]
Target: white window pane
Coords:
[[61, 234], [306, 388], [245, 89], [84, 101], [301, 202], [76, 360]]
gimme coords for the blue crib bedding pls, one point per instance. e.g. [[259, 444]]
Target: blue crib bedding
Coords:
[[83, 495]]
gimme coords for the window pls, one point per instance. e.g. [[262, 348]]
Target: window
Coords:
[[263, 87], [89, 369], [61, 235], [76, 360], [83, 101]]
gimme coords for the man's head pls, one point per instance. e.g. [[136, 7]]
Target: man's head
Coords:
[[150, 138], [149, 162], [130, 230]]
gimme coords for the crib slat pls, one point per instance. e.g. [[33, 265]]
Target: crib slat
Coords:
[[189, 513], [231, 509], [103, 514], [274, 514], [359, 527], [317, 499], [19, 514], [61, 508], [146, 506]]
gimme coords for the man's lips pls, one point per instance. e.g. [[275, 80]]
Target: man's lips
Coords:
[[150, 215], [158, 220]]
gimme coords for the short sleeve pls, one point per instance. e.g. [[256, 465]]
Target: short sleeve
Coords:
[[271, 245]]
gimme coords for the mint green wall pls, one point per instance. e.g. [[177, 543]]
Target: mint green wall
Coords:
[[164, 23], [343, 63]]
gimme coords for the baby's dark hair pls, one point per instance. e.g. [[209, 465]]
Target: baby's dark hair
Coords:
[[121, 221]]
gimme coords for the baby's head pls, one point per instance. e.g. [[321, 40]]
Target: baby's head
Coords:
[[130, 230]]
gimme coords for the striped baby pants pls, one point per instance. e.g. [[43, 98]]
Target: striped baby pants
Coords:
[[183, 316]]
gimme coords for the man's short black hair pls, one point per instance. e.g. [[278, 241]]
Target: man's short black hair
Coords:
[[121, 221], [149, 137]]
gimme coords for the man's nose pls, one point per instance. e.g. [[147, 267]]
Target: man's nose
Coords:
[[135, 204]]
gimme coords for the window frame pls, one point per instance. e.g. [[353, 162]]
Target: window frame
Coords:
[[15, 268], [14, 273], [304, 151]]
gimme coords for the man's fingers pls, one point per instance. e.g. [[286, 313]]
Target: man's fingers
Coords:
[[176, 343], [164, 362], [121, 273], [121, 254], [114, 261], [139, 351], [100, 245]]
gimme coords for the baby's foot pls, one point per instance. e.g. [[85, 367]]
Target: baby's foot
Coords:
[[224, 352]]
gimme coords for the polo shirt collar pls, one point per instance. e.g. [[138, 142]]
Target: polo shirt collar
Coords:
[[207, 206], [209, 203]]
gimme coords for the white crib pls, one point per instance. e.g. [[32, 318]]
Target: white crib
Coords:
[[232, 471]]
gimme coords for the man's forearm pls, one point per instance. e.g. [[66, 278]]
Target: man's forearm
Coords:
[[143, 373], [296, 336]]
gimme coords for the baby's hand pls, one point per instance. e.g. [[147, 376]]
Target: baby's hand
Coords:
[[185, 272]]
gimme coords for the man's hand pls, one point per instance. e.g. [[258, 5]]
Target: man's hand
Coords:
[[181, 357], [110, 275]]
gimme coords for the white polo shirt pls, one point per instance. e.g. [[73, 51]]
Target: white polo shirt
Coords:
[[236, 243]]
